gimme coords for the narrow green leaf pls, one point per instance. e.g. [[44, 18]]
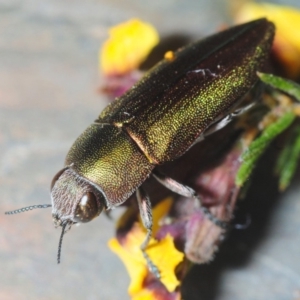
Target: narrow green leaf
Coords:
[[258, 146], [284, 85], [288, 160], [283, 157]]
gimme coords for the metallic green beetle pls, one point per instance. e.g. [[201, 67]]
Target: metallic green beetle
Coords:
[[157, 121]]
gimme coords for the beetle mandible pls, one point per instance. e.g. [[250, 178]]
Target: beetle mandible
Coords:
[[155, 122]]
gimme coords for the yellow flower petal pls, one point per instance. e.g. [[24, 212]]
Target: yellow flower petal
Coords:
[[134, 264], [155, 295], [163, 254], [166, 257], [144, 295], [158, 212], [287, 39], [127, 47]]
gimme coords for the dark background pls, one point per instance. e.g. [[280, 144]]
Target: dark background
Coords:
[[48, 96]]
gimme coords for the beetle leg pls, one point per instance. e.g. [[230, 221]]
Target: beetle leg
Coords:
[[146, 216], [223, 122], [227, 119], [188, 192]]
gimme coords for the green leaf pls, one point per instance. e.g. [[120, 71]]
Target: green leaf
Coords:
[[284, 85], [258, 146], [288, 159]]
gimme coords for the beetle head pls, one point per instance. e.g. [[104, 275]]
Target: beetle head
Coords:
[[74, 198]]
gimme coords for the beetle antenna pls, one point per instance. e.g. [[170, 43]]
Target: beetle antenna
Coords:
[[60, 241], [24, 209]]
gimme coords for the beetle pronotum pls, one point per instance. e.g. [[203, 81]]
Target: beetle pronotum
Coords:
[[173, 106]]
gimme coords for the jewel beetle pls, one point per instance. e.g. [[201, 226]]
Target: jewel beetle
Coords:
[[156, 121]]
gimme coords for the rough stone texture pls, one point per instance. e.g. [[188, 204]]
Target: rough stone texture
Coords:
[[48, 82]]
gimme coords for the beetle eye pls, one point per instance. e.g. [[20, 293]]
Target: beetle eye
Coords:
[[87, 208]]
